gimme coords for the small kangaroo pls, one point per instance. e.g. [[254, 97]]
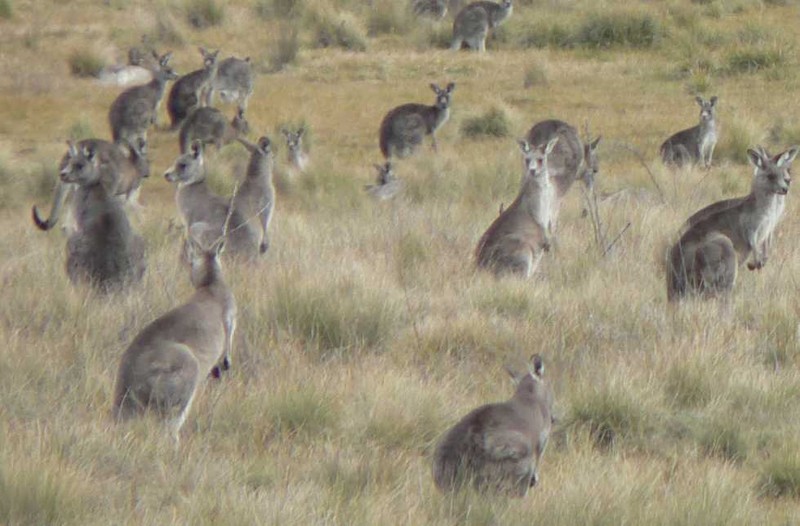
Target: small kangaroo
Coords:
[[571, 160], [208, 125], [122, 168], [256, 196], [696, 144], [198, 204], [433, 9], [132, 73], [168, 360], [515, 240], [498, 447], [104, 250], [187, 92], [296, 156], [135, 109], [388, 185], [473, 22], [404, 127], [233, 82], [722, 236]]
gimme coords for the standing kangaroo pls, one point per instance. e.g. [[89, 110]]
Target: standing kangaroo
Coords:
[[404, 127], [209, 126], [295, 155], [498, 447], [722, 236], [122, 168], [104, 250], [165, 364], [515, 240], [135, 109], [571, 160], [695, 144], [188, 91], [198, 204], [233, 82], [256, 195], [473, 22]]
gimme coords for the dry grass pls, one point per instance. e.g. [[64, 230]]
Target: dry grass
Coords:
[[365, 332]]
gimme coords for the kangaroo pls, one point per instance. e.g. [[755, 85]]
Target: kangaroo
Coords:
[[233, 82], [499, 447], [209, 126], [696, 144], [571, 160], [165, 364], [187, 92], [722, 236], [388, 185], [433, 9], [297, 157], [256, 196], [515, 240], [122, 168], [473, 22], [103, 250], [404, 127], [132, 73], [136, 108], [198, 204]]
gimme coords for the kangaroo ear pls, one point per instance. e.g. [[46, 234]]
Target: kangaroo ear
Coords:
[[435, 88], [524, 145], [218, 247], [538, 365], [713, 100], [89, 152], [699, 100], [165, 58], [756, 158], [551, 145], [514, 376], [71, 149], [197, 148], [450, 87], [593, 145], [240, 112], [285, 133], [141, 143], [788, 156], [301, 131]]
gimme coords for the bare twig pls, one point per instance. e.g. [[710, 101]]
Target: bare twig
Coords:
[[614, 242], [230, 210], [639, 157]]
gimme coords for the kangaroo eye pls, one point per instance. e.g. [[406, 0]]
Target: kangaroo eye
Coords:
[[181, 166], [79, 166]]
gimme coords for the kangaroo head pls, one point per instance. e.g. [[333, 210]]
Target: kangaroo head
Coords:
[[203, 248], [137, 154], [535, 157], [443, 96], [294, 140], [209, 58], [506, 4], [264, 146], [772, 174], [189, 167], [531, 385], [385, 173], [81, 167], [708, 108], [591, 164], [163, 70], [239, 122]]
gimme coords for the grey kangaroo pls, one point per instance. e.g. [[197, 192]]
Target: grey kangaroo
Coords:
[[473, 23], [256, 195], [694, 145], [404, 127], [188, 91]]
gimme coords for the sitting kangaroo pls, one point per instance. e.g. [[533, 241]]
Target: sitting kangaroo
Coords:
[[499, 447], [722, 236], [168, 360]]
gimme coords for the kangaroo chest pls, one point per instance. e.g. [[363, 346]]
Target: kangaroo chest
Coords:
[[761, 222]]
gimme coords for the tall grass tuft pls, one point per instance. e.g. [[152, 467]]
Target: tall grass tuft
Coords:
[[687, 385], [723, 439], [610, 417], [202, 14], [285, 49], [6, 10], [332, 29], [304, 411], [85, 63], [755, 59], [493, 123], [389, 17], [780, 475], [621, 29], [283, 9]]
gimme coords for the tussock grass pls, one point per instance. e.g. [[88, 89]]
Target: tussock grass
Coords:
[[285, 49], [493, 123], [387, 17], [202, 14], [780, 475], [619, 29], [283, 9], [85, 63], [6, 9]]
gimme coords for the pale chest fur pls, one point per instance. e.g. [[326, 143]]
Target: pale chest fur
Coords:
[[762, 222], [541, 201]]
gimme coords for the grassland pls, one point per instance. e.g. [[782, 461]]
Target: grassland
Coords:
[[365, 332]]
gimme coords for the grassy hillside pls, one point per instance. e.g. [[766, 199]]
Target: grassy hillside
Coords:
[[365, 332]]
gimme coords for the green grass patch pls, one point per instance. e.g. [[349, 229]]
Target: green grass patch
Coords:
[[389, 17], [6, 10], [85, 63], [305, 412], [493, 123], [283, 9], [202, 14], [606, 30], [609, 417], [755, 59], [780, 475], [687, 385], [285, 49], [338, 30]]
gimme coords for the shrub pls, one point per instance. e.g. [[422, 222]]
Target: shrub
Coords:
[[337, 30], [619, 29], [85, 63], [755, 59], [5, 9], [202, 14], [287, 45], [493, 123]]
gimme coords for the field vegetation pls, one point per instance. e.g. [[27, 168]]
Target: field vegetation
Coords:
[[365, 332]]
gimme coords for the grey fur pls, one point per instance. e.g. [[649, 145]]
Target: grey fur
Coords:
[[256, 196], [722, 236], [498, 447], [209, 126], [135, 109], [404, 127], [571, 160], [433, 9], [694, 145], [104, 250], [295, 153], [387, 185], [188, 91], [198, 204], [234, 81], [473, 22], [163, 367]]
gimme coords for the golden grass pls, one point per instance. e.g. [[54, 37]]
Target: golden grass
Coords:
[[365, 332]]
